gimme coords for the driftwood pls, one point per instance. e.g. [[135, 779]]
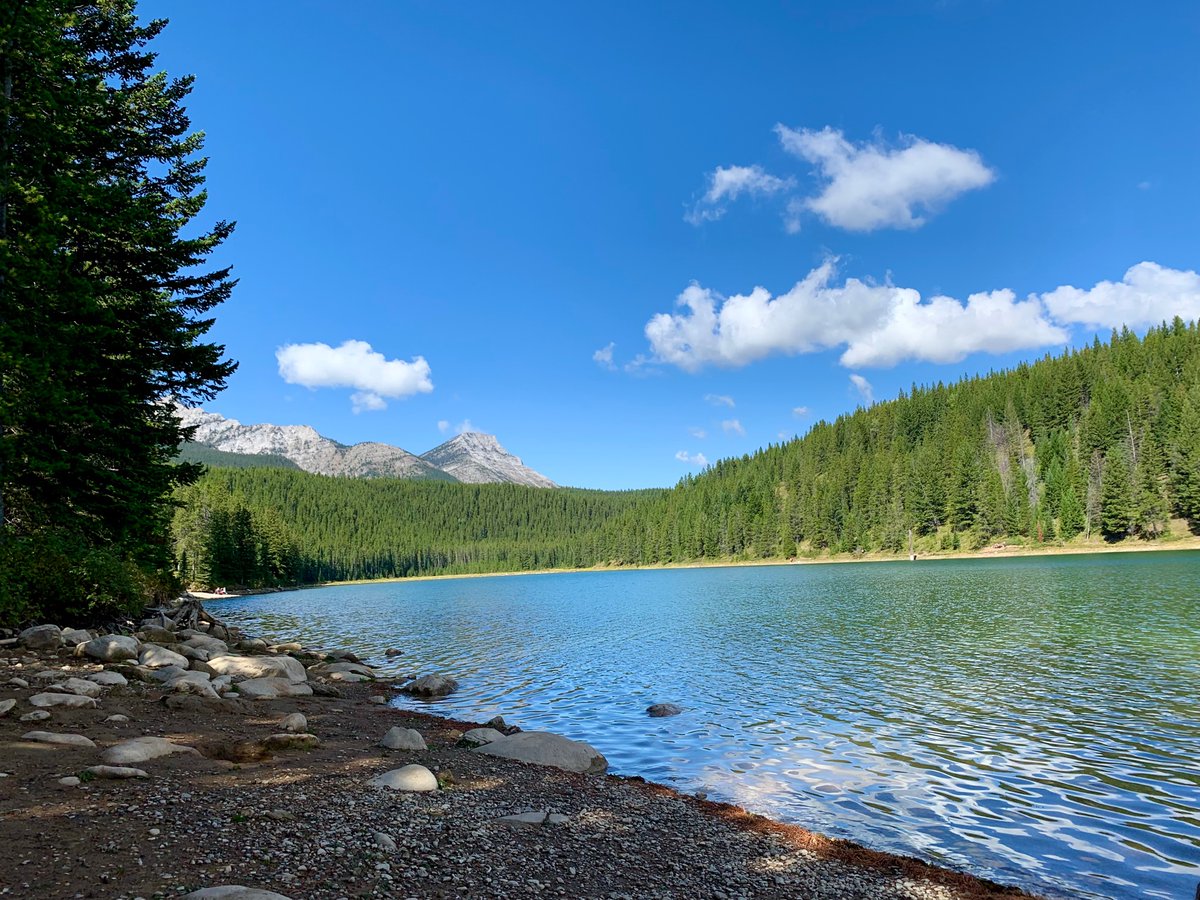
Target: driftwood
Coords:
[[190, 613]]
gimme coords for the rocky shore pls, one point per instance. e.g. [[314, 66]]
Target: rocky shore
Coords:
[[187, 759]]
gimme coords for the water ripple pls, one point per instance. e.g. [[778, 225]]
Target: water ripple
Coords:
[[1034, 721]]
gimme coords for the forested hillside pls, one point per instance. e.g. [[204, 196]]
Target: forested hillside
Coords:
[[275, 526], [1101, 442]]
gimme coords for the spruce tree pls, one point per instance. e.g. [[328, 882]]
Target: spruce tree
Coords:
[[104, 294]]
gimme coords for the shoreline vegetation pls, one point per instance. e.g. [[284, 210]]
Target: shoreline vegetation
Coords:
[[284, 780], [996, 551]]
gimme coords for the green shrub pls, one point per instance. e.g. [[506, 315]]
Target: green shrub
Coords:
[[56, 576]]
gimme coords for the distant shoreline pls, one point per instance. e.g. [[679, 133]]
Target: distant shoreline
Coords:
[[995, 551]]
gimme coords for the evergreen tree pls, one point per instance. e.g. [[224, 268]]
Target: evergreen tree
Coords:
[[103, 299], [1117, 513]]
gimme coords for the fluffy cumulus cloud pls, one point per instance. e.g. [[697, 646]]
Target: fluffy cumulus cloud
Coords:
[[880, 325], [727, 183], [353, 364], [872, 185], [1147, 295], [692, 459]]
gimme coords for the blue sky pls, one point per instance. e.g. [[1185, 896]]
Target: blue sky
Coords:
[[502, 190]]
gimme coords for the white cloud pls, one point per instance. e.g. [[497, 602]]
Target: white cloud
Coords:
[[799, 410], [698, 433], [354, 364], [1147, 295], [365, 401], [692, 459], [863, 387], [871, 185], [604, 357], [733, 426], [719, 399], [879, 325], [727, 183], [443, 426]]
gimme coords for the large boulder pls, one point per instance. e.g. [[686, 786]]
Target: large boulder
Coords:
[[412, 778], [206, 642], [350, 667], [431, 686], [294, 722], [41, 637], [6, 706], [73, 636], [138, 750], [545, 749], [403, 739], [156, 657], [271, 689], [156, 634], [112, 648], [259, 667]]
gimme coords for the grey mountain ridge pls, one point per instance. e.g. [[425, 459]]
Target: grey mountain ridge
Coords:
[[469, 457]]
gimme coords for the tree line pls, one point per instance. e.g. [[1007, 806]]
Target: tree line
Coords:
[[1100, 442]]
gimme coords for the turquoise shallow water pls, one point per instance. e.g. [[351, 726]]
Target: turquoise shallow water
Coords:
[[1036, 721]]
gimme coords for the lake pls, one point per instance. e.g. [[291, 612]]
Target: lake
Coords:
[[1035, 720]]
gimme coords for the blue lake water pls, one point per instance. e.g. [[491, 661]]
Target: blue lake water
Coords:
[[1035, 721]]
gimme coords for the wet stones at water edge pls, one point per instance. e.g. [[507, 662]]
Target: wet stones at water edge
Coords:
[[545, 749], [663, 710], [430, 686]]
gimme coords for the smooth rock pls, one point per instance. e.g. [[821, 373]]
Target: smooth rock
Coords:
[[354, 668], [292, 742], [662, 710], [206, 642], [108, 679], [198, 685], [117, 719], [166, 673], [414, 778], [545, 749], [431, 686], [222, 683], [233, 892], [73, 701], [156, 634], [403, 739], [271, 689], [533, 819], [41, 637], [498, 723], [259, 667], [115, 772], [378, 699], [80, 686], [477, 737], [155, 657], [351, 677], [6, 707], [112, 648], [38, 715], [69, 781], [74, 636], [294, 722], [143, 749], [17, 682], [384, 842], [392, 651], [62, 740]]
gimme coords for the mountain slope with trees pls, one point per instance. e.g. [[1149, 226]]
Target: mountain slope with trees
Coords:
[[1103, 441]]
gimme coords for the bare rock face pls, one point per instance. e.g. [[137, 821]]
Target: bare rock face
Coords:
[[476, 458]]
